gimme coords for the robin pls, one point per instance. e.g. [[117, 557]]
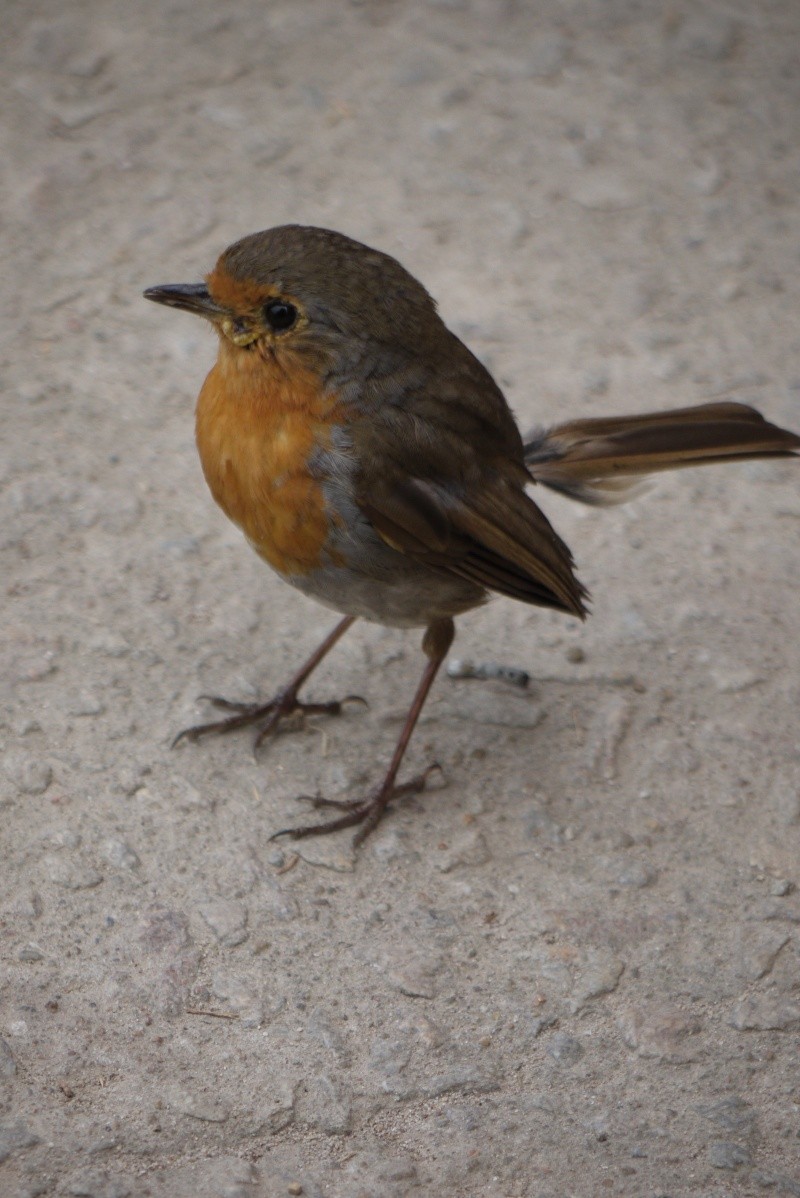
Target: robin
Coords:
[[373, 462]]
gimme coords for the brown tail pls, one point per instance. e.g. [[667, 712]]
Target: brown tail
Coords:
[[598, 461]]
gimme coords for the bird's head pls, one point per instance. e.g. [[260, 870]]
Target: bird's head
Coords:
[[309, 291]]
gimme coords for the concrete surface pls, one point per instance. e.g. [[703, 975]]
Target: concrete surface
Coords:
[[573, 969]]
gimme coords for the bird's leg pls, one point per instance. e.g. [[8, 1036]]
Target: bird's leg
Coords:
[[368, 812], [285, 702]]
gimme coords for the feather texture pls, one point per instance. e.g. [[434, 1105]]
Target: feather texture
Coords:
[[599, 461]]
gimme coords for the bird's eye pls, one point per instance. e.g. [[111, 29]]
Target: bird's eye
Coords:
[[280, 315]]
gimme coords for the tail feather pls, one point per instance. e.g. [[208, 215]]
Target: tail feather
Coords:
[[601, 461]]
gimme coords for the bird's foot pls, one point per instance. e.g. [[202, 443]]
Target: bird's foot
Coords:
[[266, 716], [364, 813]]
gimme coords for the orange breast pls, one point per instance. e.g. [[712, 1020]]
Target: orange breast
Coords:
[[258, 423]]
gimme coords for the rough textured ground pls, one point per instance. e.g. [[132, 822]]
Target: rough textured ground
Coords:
[[573, 970]]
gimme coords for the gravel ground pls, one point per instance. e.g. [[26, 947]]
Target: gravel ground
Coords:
[[571, 969]]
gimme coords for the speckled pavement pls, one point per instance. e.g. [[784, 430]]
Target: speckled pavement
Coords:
[[570, 967]]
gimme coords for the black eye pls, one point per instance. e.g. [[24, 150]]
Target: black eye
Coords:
[[280, 315]]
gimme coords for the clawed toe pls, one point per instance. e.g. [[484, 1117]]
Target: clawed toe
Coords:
[[267, 715], [319, 801], [365, 814], [248, 709], [246, 715]]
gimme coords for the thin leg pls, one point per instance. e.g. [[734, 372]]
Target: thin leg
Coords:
[[368, 812], [284, 704]]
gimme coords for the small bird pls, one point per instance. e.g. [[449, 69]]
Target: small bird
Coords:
[[372, 461]]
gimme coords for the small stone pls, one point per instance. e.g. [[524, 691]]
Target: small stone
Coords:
[[575, 654], [540, 825], [129, 780], [634, 628], [27, 906], [660, 1031], [539, 1100], [416, 978], [264, 149], [31, 952], [30, 775], [638, 875], [165, 935], [26, 725], [765, 1012], [459, 1079], [31, 392], [389, 1056], [225, 115], [242, 998], [187, 797], [163, 930], [724, 1155], [758, 950], [61, 838], [227, 920], [180, 547], [325, 853], [109, 643], [599, 974], [282, 1114], [771, 911], [275, 1112], [85, 704], [780, 887], [72, 875], [468, 850], [330, 1036], [492, 671], [120, 855], [103, 1144], [195, 1104], [87, 64], [731, 680], [14, 1136], [392, 844], [429, 1034], [733, 1114], [76, 114], [34, 666], [323, 1104], [565, 1049]]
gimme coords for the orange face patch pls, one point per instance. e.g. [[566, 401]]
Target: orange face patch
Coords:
[[259, 421], [238, 295]]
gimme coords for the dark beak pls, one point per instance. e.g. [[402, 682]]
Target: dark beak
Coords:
[[192, 297]]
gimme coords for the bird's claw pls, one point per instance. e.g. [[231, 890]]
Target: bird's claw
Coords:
[[282, 707], [364, 812]]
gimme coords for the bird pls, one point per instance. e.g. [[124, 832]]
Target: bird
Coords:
[[374, 463]]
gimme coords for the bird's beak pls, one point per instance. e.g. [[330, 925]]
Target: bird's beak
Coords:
[[192, 297]]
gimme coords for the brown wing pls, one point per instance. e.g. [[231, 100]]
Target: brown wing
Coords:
[[442, 478], [493, 535]]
